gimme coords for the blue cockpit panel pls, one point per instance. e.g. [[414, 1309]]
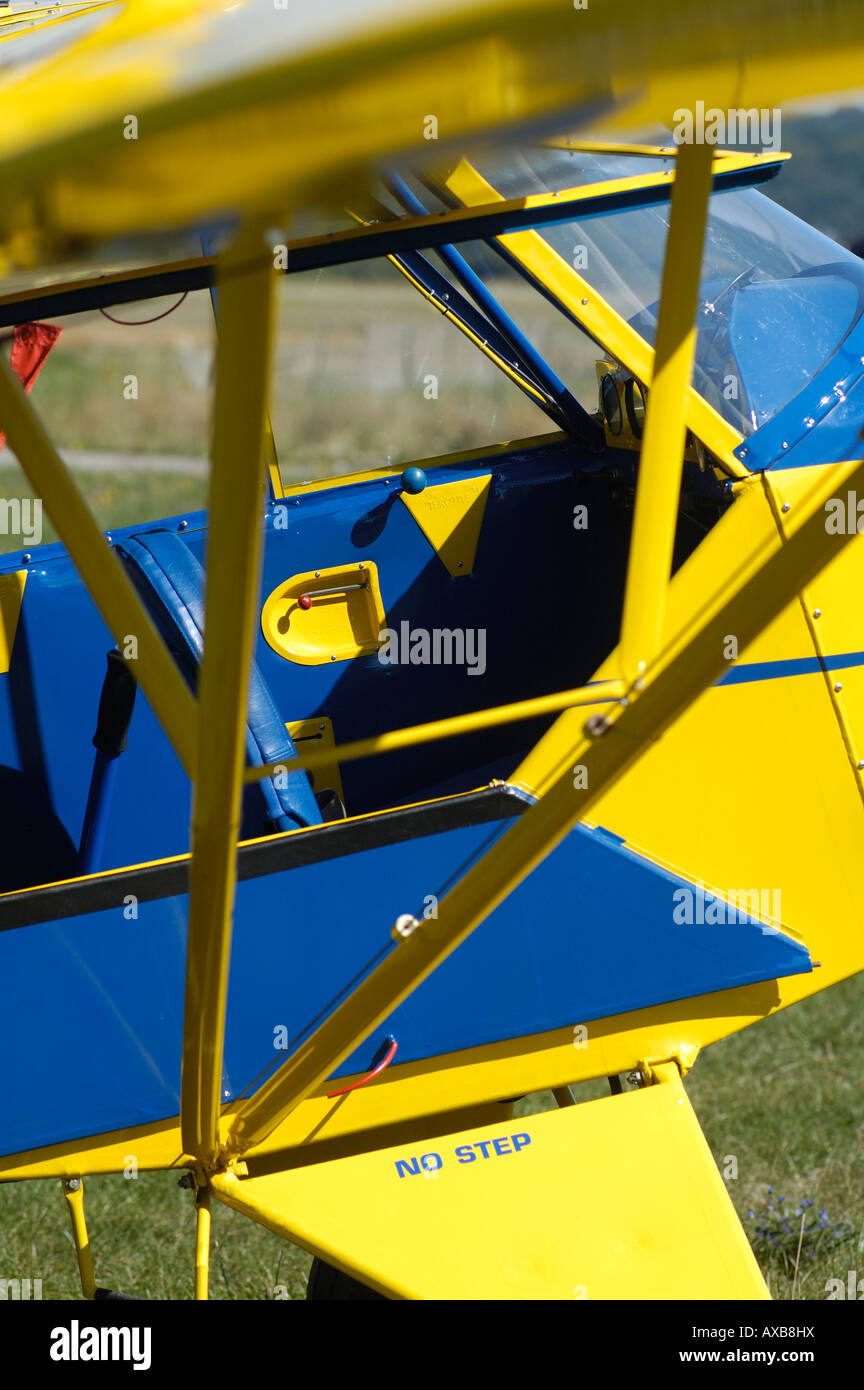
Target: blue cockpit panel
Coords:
[[92, 1005]]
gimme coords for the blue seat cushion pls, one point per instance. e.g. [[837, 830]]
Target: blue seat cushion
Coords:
[[171, 583]]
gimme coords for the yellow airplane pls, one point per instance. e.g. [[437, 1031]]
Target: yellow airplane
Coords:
[[590, 861]]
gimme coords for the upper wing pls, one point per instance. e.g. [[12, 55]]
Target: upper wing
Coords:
[[170, 111]]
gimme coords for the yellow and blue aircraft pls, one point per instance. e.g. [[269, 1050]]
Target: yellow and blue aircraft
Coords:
[[402, 897]]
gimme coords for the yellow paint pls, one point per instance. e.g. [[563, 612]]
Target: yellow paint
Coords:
[[450, 515], [73, 1191], [616, 1198], [764, 581], [317, 734], [247, 284], [831, 609], [369, 475], [202, 1242], [658, 488], [11, 598], [724, 797], [24, 23], [337, 626], [447, 728], [348, 97]]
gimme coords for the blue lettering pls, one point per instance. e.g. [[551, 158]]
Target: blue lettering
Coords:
[[465, 1154], [404, 1166], [501, 1146], [520, 1140]]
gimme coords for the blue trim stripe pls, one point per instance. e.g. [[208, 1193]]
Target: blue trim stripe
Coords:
[[791, 666], [780, 670]]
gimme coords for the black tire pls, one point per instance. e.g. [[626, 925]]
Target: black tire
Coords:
[[332, 1285]]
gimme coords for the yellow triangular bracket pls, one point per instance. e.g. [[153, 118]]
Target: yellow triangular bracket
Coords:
[[11, 594], [616, 1198], [450, 516]]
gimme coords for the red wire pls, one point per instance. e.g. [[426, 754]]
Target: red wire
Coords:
[[137, 323], [385, 1062]]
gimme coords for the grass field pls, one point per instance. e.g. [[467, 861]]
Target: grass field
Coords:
[[785, 1099]]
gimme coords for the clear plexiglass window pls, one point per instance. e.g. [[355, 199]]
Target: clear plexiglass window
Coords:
[[777, 297]]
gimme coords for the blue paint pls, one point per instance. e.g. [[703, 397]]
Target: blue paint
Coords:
[[790, 666], [98, 813], [106, 989]]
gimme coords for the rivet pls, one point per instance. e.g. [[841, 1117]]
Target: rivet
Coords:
[[25, 559], [860, 762], [596, 726], [785, 507], [332, 658], [838, 686], [317, 574], [817, 612], [182, 526], [404, 926], [784, 445], [584, 301]]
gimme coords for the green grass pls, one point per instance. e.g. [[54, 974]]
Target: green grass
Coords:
[[115, 500], [784, 1098], [142, 1234]]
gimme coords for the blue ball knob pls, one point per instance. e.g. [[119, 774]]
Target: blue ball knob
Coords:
[[413, 481]]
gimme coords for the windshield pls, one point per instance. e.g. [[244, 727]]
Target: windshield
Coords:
[[776, 299]]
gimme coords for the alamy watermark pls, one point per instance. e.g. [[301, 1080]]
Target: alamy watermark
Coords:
[[736, 126], [699, 907], [20, 1289], [438, 646], [844, 516], [22, 516]]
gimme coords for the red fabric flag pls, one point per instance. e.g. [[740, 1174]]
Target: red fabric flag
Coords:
[[31, 344]]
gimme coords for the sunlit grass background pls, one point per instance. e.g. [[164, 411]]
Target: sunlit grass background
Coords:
[[365, 375]]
